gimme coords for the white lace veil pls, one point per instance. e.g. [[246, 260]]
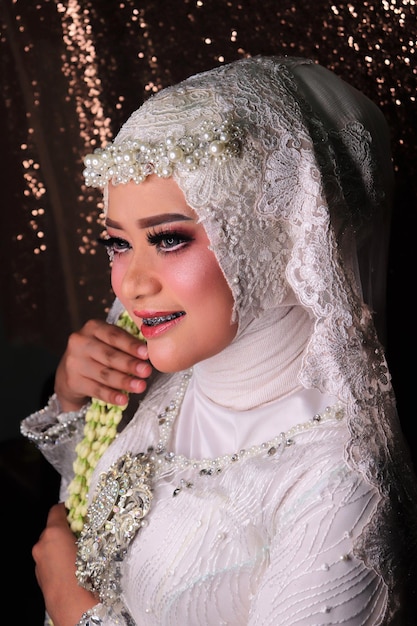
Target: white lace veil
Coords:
[[303, 212]]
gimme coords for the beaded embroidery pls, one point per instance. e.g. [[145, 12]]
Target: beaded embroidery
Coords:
[[122, 500], [135, 160], [124, 495]]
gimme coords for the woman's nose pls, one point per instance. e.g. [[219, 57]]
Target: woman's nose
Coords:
[[139, 279]]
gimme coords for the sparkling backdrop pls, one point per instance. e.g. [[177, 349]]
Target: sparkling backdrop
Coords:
[[73, 71]]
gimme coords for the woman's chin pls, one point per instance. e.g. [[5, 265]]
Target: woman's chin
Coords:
[[168, 363]]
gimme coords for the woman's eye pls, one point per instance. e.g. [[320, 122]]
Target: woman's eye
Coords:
[[169, 241], [114, 245]]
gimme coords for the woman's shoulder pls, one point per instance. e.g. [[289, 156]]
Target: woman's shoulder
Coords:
[[312, 466]]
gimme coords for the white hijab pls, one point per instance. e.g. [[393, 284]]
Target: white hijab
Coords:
[[297, 216]]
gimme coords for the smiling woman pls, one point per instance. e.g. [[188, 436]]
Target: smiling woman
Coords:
[[165, 274], [261, 478]]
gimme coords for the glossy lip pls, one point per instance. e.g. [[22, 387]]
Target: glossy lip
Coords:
[[150, 332]]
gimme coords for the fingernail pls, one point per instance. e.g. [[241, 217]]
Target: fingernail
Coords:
[[143, 370], [143, 352], [121, 399], [136, 384]]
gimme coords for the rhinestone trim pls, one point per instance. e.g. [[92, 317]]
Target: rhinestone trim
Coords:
[[165, 460], [33, 427], [122, 501]]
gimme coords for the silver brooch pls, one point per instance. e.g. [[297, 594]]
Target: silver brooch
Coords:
[[123, 498]]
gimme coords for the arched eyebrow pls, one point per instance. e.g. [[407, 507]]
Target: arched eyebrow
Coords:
[[153, 220]]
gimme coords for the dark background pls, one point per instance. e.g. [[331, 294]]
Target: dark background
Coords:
[[71, 73]]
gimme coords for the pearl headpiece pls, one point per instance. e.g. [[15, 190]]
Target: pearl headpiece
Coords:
[[135, 159]]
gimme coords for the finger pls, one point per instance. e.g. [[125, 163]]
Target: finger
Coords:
[[108, 367], [116, 337], [109, 389], [113, 348], [57, 514], [116, 396], [101, 361], [93, 379]]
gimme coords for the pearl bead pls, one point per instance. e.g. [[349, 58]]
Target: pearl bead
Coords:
[[212, 467], [210, 142], [224, 136], [216, 147], [175, 154]]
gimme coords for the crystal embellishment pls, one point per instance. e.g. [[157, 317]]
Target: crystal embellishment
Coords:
[[123, 498], [103, 504]]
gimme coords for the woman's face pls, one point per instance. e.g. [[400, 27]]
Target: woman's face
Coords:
[[165, 275]]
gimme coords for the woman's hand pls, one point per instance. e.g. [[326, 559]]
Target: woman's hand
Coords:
[[54, 555], [100, 361]]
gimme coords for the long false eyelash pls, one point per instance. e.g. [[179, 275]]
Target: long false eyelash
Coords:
[[109, 243], [155, 238], [115, 245]]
